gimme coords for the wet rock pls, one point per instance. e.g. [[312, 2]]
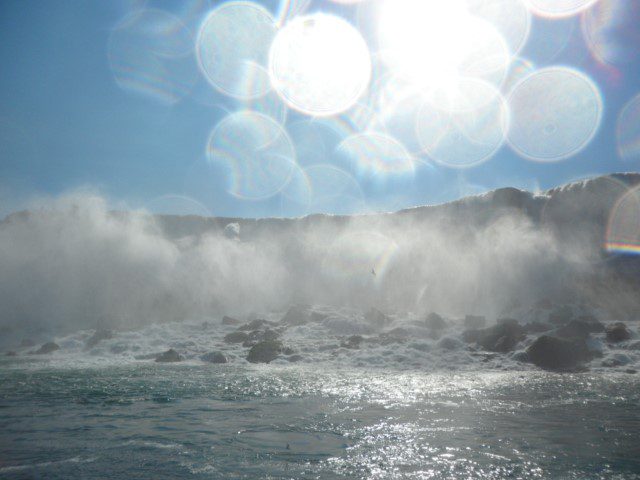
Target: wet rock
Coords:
[[27, 342], [501, 338], [552, 353], [397, 335], [579, 329], [616, 360], [317, 317], [436, 322], [561, 315], [295, 358], [48, 347], [265, 352], [256, 324], [537, 327], [236, 337], [449, 343], [353, 342], [230, 321], [631, 371], [474, 321], [521, 356], [98, 336], [214, 357], [170, 356], [617, 332], [376, 317], [11, 353], [260, 336], [295, 316]]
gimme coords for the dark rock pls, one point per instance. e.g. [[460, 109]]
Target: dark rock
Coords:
[[537, 327], [435, 322], [295, 358], [27, 342], [295, 316], [521, 356], [376, 317], [98, 336], [500, 338], [11, 353], [617, 332], [265, 352], [631, 371], [48, 347], [474, 321], [594, 324], [214, 357], [397, 335], [448, 343], [561, 315], [170, 356], [236, 337], [260, 336], [230, 321], [288, 351], [616, 360], [553, 353], [353, 342], [579, 329]]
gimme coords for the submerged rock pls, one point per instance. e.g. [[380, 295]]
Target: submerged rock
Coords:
[[537, 327], [616, 360], [561, 315], [169, 356], [230, 321], [236, 337], [256, 324], [98, 336], [579, 329], [376, 317], [552, 353], [11, 353], [48, 347], [501, 338], [265, 352], [353, 342], [295, 358], [296, 315], [474, 321], [214, 357], [435, 322], [617, 332]]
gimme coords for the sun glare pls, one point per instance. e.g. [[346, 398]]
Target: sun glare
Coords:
[[431, 43]]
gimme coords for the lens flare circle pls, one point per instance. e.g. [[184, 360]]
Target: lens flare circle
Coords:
[[511, 18], [256, 150], [628, 130], [555, 113], [610, 29], [149, 54], [470, 131], [559, 8], [377, 154], [233, 49], [623, 230], [319, 64]]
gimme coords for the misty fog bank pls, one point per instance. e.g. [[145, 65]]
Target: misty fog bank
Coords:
[[77, 265]]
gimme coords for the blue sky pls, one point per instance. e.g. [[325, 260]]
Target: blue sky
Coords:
[[66, 123]]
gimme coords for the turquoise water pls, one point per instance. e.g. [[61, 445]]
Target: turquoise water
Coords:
[[146, 420]]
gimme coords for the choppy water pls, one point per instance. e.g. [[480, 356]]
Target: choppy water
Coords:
[[145, 420]]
